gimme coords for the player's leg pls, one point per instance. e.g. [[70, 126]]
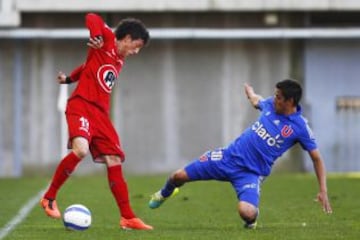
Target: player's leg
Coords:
[[105, 147], [118, 185], [170, 188], [63, 171], [119, 189], [248, 212], [205, 167], [247, 186]]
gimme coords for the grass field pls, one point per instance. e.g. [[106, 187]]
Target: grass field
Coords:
[[202, 210]]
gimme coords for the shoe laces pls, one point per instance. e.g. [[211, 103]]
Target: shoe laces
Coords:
[[157, 196]]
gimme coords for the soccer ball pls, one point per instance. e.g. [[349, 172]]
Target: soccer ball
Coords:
[[77, 217]]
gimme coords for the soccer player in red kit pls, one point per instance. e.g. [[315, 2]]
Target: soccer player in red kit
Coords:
[[87, 112]]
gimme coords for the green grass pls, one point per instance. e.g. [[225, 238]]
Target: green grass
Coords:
[[202, 210]]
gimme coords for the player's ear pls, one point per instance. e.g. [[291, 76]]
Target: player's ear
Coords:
[[291, 101]]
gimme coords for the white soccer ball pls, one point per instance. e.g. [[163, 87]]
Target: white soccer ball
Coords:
[[77, 217]]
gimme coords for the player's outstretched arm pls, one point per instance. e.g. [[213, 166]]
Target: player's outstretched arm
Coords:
[[252, 96], [319, 167], [74, 76]]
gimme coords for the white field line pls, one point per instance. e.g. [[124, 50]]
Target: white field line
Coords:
[[22, 214]]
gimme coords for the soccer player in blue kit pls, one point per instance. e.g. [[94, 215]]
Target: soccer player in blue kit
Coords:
[[248, 160]]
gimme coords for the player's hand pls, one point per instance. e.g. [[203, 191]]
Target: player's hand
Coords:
[[249, 91], [96, 42], [323, 199], [61, 77], [252, 96]]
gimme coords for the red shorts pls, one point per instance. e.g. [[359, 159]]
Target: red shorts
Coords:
[[90, 122]]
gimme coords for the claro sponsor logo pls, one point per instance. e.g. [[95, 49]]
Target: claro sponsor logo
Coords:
[[272, 141]]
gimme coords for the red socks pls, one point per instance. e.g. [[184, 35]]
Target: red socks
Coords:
[[119, 189], [63, 171], [116, 180]]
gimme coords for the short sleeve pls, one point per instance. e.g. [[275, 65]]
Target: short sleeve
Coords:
[[266, 103], [307, 138]]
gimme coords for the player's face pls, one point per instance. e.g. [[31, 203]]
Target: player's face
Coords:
[[281, 105], [127, 47]]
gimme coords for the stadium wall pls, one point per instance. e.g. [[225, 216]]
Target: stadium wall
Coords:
[[175, 100], [172, 102]]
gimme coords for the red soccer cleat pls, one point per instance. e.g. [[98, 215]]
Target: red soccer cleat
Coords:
[[50, 208], [134, 223]]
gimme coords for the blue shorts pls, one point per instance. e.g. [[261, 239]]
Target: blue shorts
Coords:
[[217, 165]]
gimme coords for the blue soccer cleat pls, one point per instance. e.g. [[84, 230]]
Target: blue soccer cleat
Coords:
[[157, 199]]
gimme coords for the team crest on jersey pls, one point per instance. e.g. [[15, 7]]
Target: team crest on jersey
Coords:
[[106, 75], [286, 131], [203, 158]]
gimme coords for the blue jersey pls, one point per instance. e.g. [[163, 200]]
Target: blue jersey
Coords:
[[269, 137]]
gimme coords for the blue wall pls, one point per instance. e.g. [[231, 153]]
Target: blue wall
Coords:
[[332, 70]]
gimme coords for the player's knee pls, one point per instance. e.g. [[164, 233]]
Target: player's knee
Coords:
[[179, 177], [80, 147], [112, 160], [247, 211], [80, 152]]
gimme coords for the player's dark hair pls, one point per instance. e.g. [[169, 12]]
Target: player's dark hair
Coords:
[[290, 89], [134, 27]]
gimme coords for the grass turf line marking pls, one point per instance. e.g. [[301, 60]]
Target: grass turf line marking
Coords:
[[23, 212]]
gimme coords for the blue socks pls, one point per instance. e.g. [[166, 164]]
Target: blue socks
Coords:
[[168, 188]]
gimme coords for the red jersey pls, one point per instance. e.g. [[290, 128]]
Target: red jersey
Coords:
[[96, 77]]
